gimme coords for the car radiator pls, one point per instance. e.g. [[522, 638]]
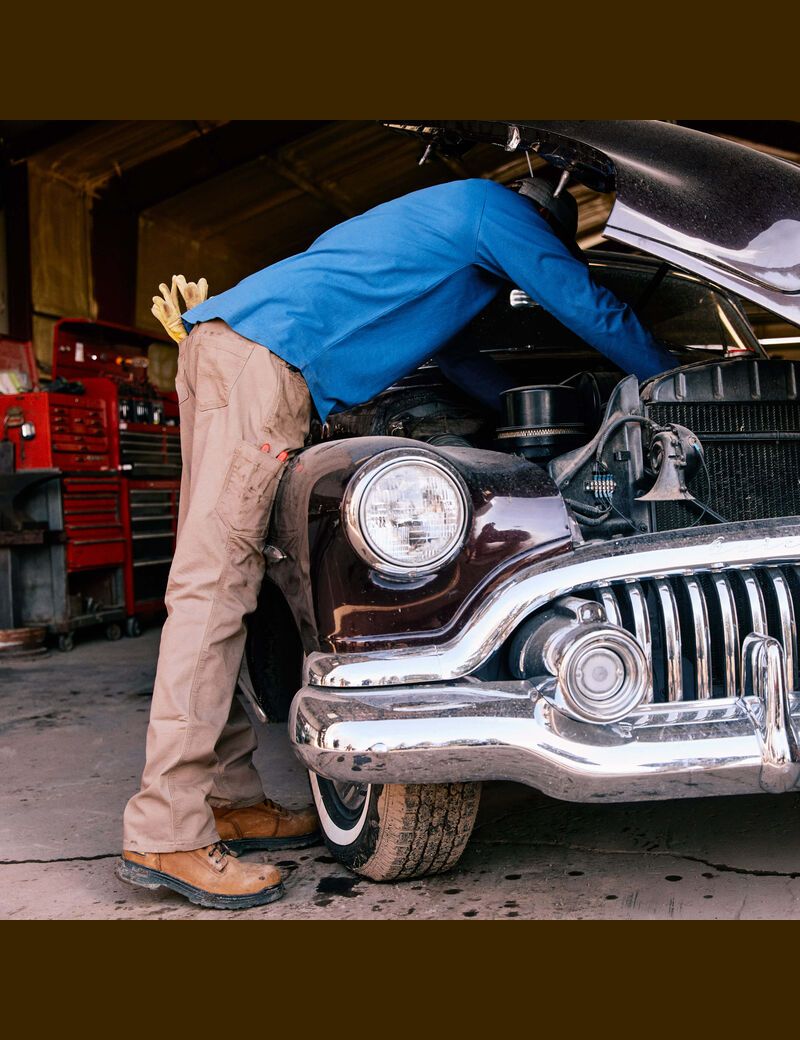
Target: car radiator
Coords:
[[693, 626], [752, 453]]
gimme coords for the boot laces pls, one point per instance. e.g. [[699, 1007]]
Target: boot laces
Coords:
[[218, 853]]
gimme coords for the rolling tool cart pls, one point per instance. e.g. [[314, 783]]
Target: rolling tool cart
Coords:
[[19, 533], [72, 576], [146, 448]]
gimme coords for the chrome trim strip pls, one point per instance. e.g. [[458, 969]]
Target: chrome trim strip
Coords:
[[730, 632], [473, 731], [702, 639], [499, 612], [672, 639], [641, 626]]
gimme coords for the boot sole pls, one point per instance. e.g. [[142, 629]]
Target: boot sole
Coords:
[[302, 841], [147, 877]]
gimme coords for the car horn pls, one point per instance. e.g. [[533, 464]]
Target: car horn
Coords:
[[675, 456]]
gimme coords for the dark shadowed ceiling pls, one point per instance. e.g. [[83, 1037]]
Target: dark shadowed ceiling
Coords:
[[267, 188]]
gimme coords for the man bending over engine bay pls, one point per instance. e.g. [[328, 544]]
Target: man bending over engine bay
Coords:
[[330, 328]]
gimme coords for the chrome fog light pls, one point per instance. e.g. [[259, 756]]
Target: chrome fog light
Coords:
[[591, 670], [601, 674]]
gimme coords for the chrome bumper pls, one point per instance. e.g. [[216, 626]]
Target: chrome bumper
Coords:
[[476, 731]]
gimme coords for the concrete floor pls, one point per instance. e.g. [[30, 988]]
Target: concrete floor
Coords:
[[71, 746]]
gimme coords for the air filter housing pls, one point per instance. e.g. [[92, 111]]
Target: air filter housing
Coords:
[[542, 421]]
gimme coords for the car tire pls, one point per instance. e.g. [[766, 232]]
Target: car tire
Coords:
[[387, 832]]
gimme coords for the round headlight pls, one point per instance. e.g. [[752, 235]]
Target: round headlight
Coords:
[[406, 515]]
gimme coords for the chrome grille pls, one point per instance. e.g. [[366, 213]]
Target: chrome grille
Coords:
[[692, 626]]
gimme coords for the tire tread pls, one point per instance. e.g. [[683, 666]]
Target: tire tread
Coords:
[[423, 829]]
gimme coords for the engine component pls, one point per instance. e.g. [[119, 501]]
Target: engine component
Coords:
[[449, 440], [542, 421], [590, 669], [675, 456], [406, 513], [602, 485]]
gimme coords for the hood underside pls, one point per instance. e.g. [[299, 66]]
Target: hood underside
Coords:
[[710, 206]]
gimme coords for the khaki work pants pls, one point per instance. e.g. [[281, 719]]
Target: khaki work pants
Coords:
[[240, 406]]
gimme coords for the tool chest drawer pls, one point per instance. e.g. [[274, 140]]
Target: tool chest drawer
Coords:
[[70, 432], [150, 450], [79, 433], [93, 526], [151, 514]]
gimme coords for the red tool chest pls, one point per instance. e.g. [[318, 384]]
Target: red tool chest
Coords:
[[117, 447], [93, 522], [146, 451], [73, 577], [70, 432]]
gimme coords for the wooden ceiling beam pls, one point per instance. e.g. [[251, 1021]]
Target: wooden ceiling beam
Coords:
[[323, 190], [207, 156], [241, 216], [20, 139]]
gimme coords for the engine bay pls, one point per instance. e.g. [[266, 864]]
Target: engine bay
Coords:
[[715, 440], [708, 443]]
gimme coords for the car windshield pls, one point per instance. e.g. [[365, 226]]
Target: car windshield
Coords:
[[683, 312], [776, 335]]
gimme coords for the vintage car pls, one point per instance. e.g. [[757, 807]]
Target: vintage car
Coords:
[[595, 595]]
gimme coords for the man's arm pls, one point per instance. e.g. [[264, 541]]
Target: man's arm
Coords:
[[516, 243], [474, 373]]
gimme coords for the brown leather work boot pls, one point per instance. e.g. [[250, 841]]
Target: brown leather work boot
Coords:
[[209, 877], [267, 826]]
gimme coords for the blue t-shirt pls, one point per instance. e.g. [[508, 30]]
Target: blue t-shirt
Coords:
[[376, 296]]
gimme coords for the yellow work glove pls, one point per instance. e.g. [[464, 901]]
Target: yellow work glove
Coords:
[[192, 292], [167, 309]]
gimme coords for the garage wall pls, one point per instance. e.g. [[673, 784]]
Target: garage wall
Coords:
[[167, 249], [61, 279]]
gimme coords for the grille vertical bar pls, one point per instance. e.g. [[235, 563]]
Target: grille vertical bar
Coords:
[[672, 639], [641, 625], [755, 601], [729, 633], [785, 620], [702, 638], [609, 601]]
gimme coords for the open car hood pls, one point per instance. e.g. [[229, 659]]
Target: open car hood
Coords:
[[707, 205]]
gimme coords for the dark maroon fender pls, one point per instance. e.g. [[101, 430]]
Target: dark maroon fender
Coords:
[[341, 604]]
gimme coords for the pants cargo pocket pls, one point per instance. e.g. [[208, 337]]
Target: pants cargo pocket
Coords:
[[246, 500]]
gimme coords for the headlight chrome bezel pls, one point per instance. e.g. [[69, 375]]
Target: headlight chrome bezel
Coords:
[[354, 497]]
